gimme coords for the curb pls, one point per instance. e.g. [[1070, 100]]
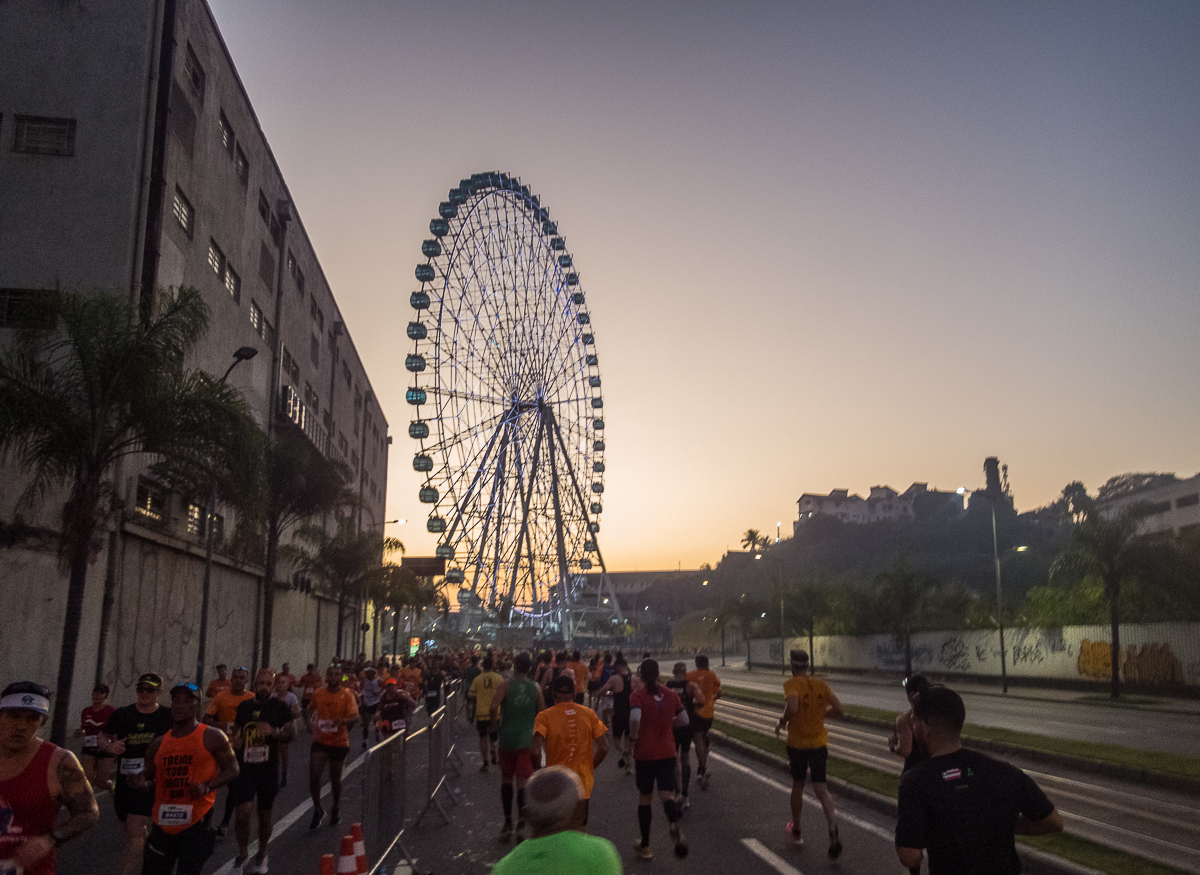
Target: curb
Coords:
[[1033, 861]]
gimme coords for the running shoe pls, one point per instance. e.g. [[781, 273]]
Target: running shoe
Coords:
[[643, 851], [239, 862], [794, 835], [483, 768], [223, 830], [519, 835], [835, 844], [704, 781], [506, 832], [621, 763], [259, 868], [318, 816], [681, 845], [685, 804], [335, 816]]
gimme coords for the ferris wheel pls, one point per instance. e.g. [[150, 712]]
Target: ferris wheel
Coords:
[[509, 413]]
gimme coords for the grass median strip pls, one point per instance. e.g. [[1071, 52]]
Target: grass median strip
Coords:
[[1150, 761], [1069, 847]]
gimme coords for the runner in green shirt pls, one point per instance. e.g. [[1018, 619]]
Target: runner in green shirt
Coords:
[[516, 702]]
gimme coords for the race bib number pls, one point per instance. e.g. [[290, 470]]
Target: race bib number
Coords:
[[133, 765], [91, 741], [257, 754], [308, 691], [327, 726], [398, 725], [174, 815]]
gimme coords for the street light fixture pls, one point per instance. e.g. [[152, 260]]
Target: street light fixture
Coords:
[[242, 354]]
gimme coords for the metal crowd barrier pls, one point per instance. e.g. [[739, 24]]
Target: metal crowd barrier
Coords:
[[386, 784]]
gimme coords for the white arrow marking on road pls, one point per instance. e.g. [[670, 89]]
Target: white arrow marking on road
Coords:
[[772, 859], [873, 829]]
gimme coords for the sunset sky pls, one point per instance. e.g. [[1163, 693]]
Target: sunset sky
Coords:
[[824, 244]]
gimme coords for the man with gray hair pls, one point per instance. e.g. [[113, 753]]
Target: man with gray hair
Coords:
[[556, 847]]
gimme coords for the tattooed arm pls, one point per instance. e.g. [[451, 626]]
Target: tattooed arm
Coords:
[[67, 783]]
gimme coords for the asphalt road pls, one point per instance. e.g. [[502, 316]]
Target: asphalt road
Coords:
[[1163, 725]]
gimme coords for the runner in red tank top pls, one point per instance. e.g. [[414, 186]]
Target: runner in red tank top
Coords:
[[37, 778], [185, 767]]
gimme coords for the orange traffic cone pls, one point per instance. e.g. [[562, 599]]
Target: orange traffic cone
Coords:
[[346, 861], [360, 849], [326, 865]]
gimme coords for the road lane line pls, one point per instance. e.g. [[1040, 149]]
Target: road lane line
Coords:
[[284, 824], [844, 816], [772, 859]]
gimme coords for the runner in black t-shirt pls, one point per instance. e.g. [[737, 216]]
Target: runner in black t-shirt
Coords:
[[260, 725], [690, 694], [962, 806], [126, 736]]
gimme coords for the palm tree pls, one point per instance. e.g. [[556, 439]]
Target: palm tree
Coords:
[[89, 380], [347, 562], [1109, 549], [752, 539], [298, 484]]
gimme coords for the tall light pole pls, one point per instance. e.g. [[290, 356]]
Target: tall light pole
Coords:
[[999, 603], [243, 354]]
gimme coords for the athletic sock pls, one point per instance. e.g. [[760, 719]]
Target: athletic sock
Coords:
[[506, 799], [520, 801], [644, 816], [687, 777], [671, 807]]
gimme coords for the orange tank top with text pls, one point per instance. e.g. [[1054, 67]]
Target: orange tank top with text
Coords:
[[180, 763]]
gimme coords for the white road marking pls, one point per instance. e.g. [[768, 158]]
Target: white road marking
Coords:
[[772, 859], [843, 816], [283, 824]]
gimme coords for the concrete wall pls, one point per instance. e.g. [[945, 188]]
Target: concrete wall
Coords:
[[1151, 653]]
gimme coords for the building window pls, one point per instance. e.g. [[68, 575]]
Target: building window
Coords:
[[256, 317], [36, 135], [151, 500], [314, 351], [298, 276], [194, 73], [276, 230], [1158, 507], [287, 363], [184, 214], [266, 267], [1188, 500], [227, 138], [264, 208], [197, 518], [242, 164], [216, 259], [346, 374], [268, 334], [233, 282]]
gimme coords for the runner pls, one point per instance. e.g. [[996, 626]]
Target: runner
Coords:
[[557, 846], [219, 684], [393, 711], [221, 712], [593, 684], [710, 686], [479, 702], [370, 691], [308, 685], [126, 737], [963, 806], [37, 779], [262, 729], [516, 704], [285, 695], [615, 698], [331, 713], [183, 770], [902, 740], [286, 671], [654, 711], [469, 674], [434, 678], [96, 762], [808, 702], [690, 695], [571, 735]]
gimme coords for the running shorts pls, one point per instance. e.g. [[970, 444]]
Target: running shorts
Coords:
[[647, 773], [620, 725], [515, 762], [801, 759], [683, 739], [128, 801], [700, 724], [252, 781], [191, 848], [486, 730], [336, 754]]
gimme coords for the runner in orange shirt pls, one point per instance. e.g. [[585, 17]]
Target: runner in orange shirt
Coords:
[[572, 736], [710, 685], [308, 685], [332, 711], [220, 683], [581, 676], [221, 713]]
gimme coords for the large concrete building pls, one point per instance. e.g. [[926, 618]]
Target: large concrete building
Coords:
[[1169, 507], [883, 503], [131, 159]]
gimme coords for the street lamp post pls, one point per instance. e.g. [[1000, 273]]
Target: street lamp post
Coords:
[[243, 354], [999, 603]]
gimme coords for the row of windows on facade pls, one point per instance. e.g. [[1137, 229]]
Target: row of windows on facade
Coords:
[[1165, 505], [152, 505], [41, 135]]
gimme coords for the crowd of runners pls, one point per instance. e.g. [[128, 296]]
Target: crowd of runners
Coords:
[[546, 723]]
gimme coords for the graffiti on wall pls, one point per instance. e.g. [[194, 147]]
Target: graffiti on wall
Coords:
[[1095, 659], [1152, 663]]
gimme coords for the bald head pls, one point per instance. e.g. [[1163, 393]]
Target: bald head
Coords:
[[552, 800]]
